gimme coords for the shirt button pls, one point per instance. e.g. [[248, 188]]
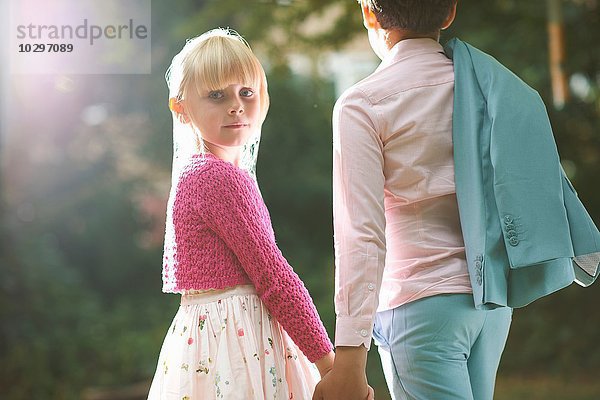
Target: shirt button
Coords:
[[371, 287], [364, 333]]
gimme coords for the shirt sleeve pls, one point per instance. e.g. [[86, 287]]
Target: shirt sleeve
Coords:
[[231, 206], [358, 215]]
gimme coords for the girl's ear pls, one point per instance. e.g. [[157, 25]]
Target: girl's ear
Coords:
[[176, 106]]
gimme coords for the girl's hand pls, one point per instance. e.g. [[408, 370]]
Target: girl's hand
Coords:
[[371, 394], [325, 363]]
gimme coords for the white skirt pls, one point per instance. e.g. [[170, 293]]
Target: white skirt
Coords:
[[225, 345]]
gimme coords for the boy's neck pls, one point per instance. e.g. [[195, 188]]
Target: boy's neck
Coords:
[[382, 40]]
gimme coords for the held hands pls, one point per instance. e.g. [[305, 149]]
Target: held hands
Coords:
[[346, 379], [336, 387]]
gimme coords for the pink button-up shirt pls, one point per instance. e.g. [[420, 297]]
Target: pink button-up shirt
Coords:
[[396, 223]]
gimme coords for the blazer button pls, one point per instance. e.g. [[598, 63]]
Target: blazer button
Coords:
[[479, 280], [364, 333], [510, 227], [511, 233], [478, 265], [513, 241], [508, 219], [371, 287]]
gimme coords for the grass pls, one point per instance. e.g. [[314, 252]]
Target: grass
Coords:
[[546, 388]]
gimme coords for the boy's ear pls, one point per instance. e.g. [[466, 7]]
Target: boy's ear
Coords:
[[369, 18], [450, 18]]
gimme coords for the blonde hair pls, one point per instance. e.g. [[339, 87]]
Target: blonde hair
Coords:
[[215, 60]]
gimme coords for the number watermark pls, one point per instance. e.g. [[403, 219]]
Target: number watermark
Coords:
[[43, 47]]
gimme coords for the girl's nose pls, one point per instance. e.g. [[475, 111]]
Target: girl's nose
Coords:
[[236, 107]]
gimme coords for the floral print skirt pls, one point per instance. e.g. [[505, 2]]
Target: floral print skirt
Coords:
[[224, 344]]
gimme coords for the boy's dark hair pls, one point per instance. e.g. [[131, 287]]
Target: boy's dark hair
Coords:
[[419, 16]]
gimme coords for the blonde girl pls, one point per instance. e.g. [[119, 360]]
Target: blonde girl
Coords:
[[246, 327]]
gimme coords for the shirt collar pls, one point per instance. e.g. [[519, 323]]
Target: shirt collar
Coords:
[[409, 48]]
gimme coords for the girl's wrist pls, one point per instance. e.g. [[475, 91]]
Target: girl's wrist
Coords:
[[325, 364]]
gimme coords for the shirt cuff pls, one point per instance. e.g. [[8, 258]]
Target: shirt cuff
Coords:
[[353, 331]]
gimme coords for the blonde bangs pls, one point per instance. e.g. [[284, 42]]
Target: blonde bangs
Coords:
[[220, 66]]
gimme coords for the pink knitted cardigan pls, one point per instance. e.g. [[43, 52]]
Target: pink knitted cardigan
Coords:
[[220, 235]]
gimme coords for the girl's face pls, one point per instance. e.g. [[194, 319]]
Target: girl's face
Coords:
[[226, 117]]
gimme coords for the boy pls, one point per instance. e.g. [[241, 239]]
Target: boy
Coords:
[[395, 205], [424, 136]]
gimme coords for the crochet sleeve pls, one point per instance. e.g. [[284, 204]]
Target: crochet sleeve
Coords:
[[230, 204]]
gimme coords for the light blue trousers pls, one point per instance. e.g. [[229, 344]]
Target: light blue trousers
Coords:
[[441, 347]]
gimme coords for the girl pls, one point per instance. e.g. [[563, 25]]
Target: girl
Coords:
[[240, 298]]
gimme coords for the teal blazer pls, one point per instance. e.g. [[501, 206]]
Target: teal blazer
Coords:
[[522, 221]]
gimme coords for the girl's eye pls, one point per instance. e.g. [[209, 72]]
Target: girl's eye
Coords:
[[216, 95], [246, 92]]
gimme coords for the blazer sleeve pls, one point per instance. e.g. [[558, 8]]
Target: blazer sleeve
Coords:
[[584, 236]]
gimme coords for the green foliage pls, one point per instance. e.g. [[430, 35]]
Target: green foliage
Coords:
[[293, 173], [77, 303], [280, 27]]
